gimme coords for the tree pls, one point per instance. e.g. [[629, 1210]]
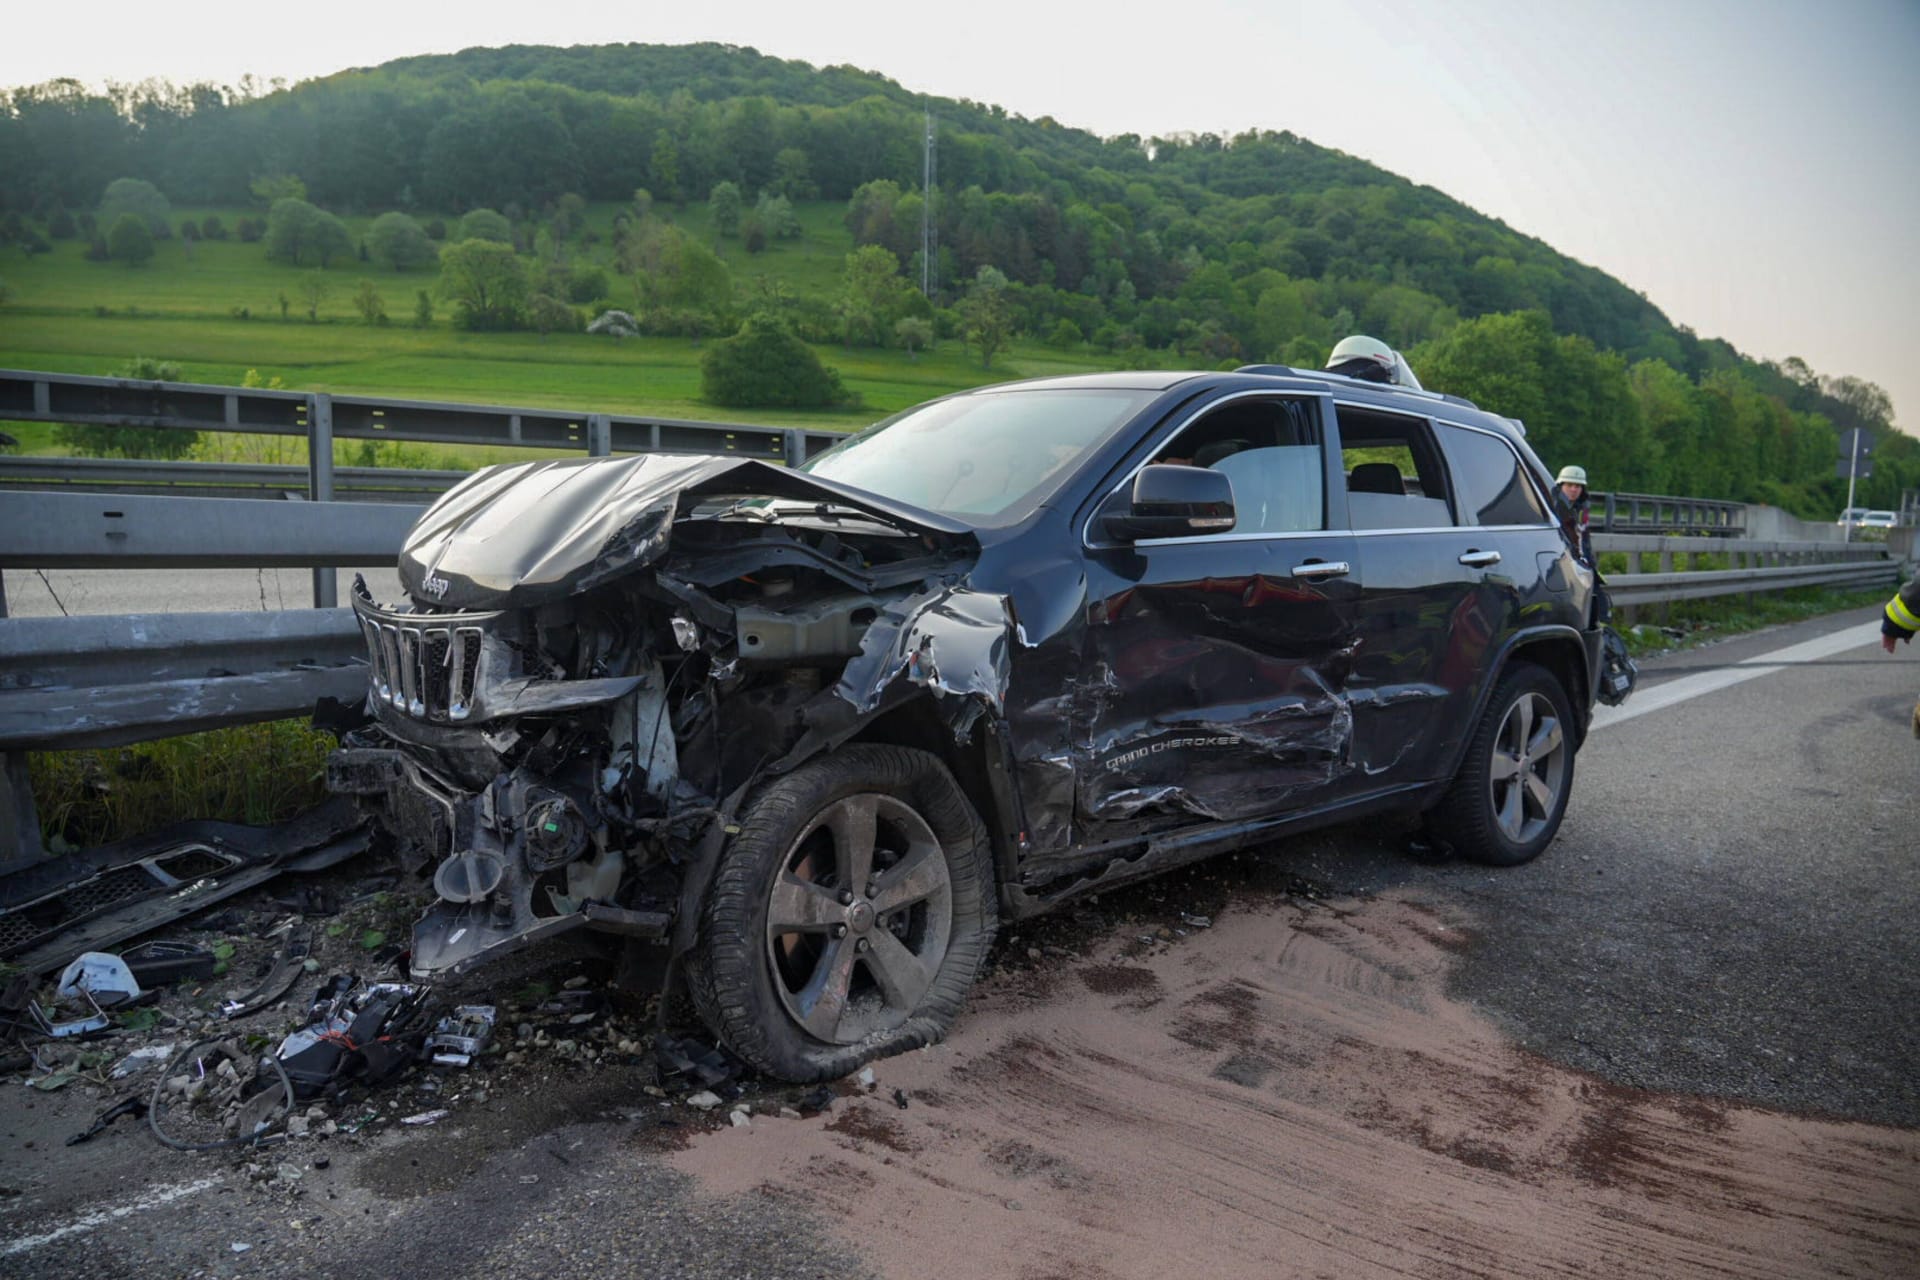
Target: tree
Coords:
[[129, 241], [777, 215], [988, 314], [61, 225], [724, 201], [422, 309], [314, 291], [485, 282], [211, 228], [765, 366], [871, 295], [140, 198], [486, 224], [399, 243], [368, 302], [89, 440], [548, 314], [790, 175], [913, 333], [271, 188], [300, 234]]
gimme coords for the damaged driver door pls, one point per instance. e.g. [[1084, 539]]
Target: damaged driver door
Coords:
[[1221, 654]]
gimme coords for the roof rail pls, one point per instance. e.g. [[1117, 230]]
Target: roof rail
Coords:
[[1284, 371]]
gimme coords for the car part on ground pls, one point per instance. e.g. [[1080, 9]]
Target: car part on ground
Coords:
[[53, 909]]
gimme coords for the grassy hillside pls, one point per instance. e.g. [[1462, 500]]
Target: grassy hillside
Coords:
[[68, 315]]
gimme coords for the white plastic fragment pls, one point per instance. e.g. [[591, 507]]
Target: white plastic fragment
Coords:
[[426, 1117]]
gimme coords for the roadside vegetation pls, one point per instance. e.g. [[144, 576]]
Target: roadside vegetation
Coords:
[[705, 233], [1687, 624], [480, 225]]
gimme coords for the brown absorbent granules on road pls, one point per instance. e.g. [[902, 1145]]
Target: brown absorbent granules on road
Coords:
[[1301, 1099]]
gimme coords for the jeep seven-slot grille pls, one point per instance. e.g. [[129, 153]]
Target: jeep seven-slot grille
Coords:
[[425, 670]]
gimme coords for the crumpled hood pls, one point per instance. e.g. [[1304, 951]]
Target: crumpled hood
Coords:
[[533, 532]]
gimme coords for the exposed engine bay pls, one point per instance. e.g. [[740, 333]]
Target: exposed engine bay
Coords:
[[597, 657]]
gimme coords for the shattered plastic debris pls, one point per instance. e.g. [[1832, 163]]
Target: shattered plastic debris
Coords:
[[140, 1059], [705, 1063], [463, 1036], [287, 968], [101, 976], [131, 1106], [426, 1118], [163, 962]]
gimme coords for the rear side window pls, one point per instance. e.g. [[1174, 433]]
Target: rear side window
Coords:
[[1395, 479], [1491, 486]]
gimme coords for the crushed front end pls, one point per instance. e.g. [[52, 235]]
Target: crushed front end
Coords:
[[595, 656]]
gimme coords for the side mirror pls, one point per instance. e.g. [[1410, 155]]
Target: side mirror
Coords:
[[1171, 502]]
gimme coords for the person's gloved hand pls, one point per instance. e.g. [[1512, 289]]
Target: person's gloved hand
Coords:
[[1891, 631]]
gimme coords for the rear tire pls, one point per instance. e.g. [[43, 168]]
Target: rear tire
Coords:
[[848, 917], [1505, 804]]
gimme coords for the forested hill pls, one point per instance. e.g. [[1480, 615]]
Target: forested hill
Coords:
[[1261, 246]]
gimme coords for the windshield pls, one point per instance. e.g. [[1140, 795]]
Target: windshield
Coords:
[[990, 458]]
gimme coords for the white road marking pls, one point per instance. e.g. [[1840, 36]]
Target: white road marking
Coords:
[[1676, 691], [100, 1217]]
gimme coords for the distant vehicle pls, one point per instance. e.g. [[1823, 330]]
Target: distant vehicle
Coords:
[[1868, 518]]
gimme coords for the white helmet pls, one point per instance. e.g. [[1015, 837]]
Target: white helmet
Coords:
[[1361, 347], [1573, 475]]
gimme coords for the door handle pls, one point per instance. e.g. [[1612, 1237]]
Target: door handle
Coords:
[[1480, 559], [1322, 569]]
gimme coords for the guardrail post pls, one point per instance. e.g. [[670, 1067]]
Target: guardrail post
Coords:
[[599, 435], [326, 582], [795, 439], [19, 824]]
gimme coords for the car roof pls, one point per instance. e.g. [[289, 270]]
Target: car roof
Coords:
[[1381, 395]]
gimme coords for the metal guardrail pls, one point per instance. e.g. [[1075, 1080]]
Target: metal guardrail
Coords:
[[73, 682], [1751, 566], [1655, 513]]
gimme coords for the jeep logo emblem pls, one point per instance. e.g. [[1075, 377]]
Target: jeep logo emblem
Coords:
[[436, 586]]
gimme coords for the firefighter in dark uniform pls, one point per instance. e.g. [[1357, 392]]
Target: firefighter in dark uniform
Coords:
[[1901, 620]]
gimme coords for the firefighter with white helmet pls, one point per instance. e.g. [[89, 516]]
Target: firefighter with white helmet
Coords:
[[1575, 512], [1371, 360]]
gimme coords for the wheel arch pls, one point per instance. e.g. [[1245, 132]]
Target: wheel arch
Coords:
[[1558, 649]]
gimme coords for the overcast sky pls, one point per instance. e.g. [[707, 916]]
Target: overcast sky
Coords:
[[1752, 167]]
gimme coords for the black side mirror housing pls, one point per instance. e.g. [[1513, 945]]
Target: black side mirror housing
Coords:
[[1171, 502]]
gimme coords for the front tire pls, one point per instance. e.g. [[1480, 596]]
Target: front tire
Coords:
[[848, 917], [1505, 805]]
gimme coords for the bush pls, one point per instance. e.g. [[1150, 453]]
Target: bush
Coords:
[[61, 225], [189, 229], [140, 198], [130, 241], [1065, 335], [765, 366], [587, 283], [436, 229], [250, 229], [398, 242], [486, 283], [303, 235], [32, 242], [211, 228], [90, 440], [548, 314], [485, 224], [87, 225]]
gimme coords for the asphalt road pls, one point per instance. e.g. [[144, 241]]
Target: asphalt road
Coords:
[[1728, 913]]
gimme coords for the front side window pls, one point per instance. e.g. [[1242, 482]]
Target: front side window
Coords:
[[1492, 487], [1395, 477], [990, 458], [1270, 451]]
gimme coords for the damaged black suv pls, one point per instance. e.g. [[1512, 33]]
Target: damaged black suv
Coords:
[[818, 731]]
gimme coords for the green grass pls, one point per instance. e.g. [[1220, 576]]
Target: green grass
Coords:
[[257, 773], [68, 315], [1691, 623]]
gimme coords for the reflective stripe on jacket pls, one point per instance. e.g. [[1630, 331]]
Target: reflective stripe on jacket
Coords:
[[1903, 611]]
